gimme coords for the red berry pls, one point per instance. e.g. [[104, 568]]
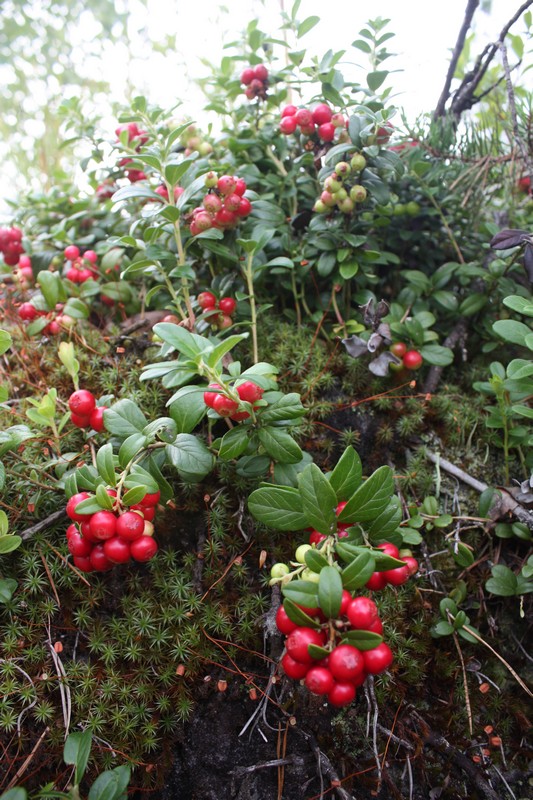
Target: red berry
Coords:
[[103, 525], [376, 627], [151, 499], [91, 256], [130, 526], [227, 305], [284, 624], [249, 391], [117, 550], [247, 76], [389, 548], [341, 694], [148, 512], [27, 311], [226, 184], [298, 642], [303, 117], [206, 300], [378, 659], [319, 680], [345, 601], [99, 560], [209, 396], [80, 420], [73, 501], [71, 252], [346, 662], [225, 218], [96, 420], [288, 111], [315, 537], [83, 563], [294, 669], [396, 577], [411, 564], [143, 549], [322, 114], [232, 202], [384, 132], [412, 359], [224, 406], [260, 72], [245, 207], [376, 582], [240, 186], [212, 203], [288, 125], [82, 402], [341, 506], [399, 349], [326, 132], [362, 612], [79, 546]]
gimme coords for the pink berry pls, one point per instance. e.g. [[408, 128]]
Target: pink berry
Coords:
[[71, 252], [322, 113], [288, 125]]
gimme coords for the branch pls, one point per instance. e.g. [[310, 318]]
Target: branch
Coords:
[[440, 110], [57, 516], [524, 150], [464, 96], [456, 337]]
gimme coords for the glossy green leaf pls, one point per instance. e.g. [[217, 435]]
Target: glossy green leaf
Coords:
[[318, 499], [330, 591], [105, 464], [278, 507], [296, 615], [371, 498], [358, 571], [280, 445], [363, 640], [303, 593], [346, 476]]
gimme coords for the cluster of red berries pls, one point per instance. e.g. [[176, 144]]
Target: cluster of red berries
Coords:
[[136, 138], [320, 121], [340, 667], [106, 190], [84, 413], [336, 191], [11, 245], [104, 538], [223, 206], [57, 321], [410, 359], [220, 311], [256, 81], [80, 268], [227, 406]]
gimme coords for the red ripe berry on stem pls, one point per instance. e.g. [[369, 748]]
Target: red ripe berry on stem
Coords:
[[398, 576], [103, 525], [117, 550], [412, 360], [398, 349], [288, 125], [226, 184], [143, 549], [389, 549], [341, 694], [73, 501], [249, 392], [82, 402], [284, 624], [99, 560], [224, 406], [71, 252], [326, 132], [130, 526], [346, 663], [298, 642], [247, 76], [96, 420], [294, 669], [206, 300], [261, 72], [362, 612], [379, 659], [288, 111], [321, 114], [245, 207], [319, 680], [209, 396], [227, 305]]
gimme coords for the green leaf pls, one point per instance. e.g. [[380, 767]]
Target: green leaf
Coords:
[[50, 287], [503, 581], [347, 474], [5, 341], [303, 593], [190, 457], [371, 498], [443, 521], [330, 591], [139, 476], [4, 523], [190, 344], [278, 507], [315, 560], [130, 447], [175, 172], [307, 25], [133, 191], [521, 304], [76, 751], [105, 464], [511, 331], [134, 495], [375, 79], [89, 506], [9, 543], [472, 304], [18, 793], [163, 429], [436, 355], [442, 628], [363, 640], [234, 443], [318, 499], [187, 408], [386, 522], [296, 615], [124, 418], [288, 406], [102, 497], [280, 445], [111, 785], [317, 652], [358, 572], [7, 589], [219, 351], [463, 555]]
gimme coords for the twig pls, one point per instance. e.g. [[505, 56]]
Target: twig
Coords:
[[507, 503], [43, 524], [372, 703], [326, 767], [440, 744], [458, 49], [275, 762], [524, 150], [24, 766]]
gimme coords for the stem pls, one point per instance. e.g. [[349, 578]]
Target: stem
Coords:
[[248, 274], [296, 302], [181, 262]]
